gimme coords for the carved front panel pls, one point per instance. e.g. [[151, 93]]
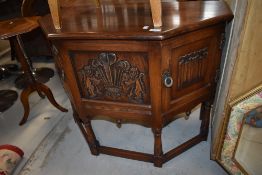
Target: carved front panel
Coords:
[[112, 76], [191, 67]]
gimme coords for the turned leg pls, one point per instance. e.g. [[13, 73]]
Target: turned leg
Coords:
[[158, 152], [88, 133], [201, 111], [24, 97], [205, 117], [92, 142], [43, 88]]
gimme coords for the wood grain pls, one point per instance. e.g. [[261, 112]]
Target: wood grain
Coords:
[[17, 26], [85, 21], [156, 11]]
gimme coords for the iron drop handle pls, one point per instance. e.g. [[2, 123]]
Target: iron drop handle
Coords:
[[167, 79]]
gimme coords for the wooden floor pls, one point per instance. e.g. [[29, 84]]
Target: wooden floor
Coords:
[[53, 144]]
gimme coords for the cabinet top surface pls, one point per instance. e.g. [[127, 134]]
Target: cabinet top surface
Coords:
[[131, 19]]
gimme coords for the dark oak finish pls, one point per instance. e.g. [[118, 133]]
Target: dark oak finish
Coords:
[[110, 66], [83, 20], [12, 29]]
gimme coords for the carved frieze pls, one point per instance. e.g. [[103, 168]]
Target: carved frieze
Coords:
[[191, 67], [199, 54], [107, 77]]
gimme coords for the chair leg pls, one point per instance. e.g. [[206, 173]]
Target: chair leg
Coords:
[[24, 97], [43, 88]]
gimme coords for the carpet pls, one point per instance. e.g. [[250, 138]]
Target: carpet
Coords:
[[65, 152]]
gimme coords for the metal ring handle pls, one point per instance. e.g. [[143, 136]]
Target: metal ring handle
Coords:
[[168, 80]]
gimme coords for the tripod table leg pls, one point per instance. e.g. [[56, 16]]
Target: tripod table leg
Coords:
[[24, 97], [43, 88]]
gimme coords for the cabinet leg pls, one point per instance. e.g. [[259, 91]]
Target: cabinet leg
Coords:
[[201, 111], [88, 133], [158, 152], [205, 117], [92, 142]]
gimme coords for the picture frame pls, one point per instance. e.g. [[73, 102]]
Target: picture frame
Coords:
[[236, 112]]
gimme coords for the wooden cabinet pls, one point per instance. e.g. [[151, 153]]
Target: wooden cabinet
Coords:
[[130, 71]]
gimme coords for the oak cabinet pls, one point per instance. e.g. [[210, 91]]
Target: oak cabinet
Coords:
[[130, 71]]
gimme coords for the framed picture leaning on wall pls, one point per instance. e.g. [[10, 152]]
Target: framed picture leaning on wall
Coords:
[[240, 149]]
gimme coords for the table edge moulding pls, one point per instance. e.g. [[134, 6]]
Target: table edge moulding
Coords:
[[113, 62]]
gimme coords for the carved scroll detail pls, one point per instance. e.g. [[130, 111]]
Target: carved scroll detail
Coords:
[[113, 79], [191, 67], [199, 54]]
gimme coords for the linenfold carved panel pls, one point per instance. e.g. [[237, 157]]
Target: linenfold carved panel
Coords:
[[107, 77], [191, 68]]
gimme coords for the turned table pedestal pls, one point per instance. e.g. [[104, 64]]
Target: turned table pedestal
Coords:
[[114, 63], [13, 29]]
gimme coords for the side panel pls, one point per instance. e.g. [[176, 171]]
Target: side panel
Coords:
[[110, 78]]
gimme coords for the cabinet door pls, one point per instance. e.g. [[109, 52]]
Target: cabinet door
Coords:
[[112, 76], [109, 72], [192, 64]]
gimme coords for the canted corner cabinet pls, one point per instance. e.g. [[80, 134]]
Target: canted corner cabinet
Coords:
[[113, 62]]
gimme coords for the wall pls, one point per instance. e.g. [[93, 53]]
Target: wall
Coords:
[[247, 72]]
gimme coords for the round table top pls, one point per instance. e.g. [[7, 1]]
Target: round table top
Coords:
[[16, 26], [132, 19]]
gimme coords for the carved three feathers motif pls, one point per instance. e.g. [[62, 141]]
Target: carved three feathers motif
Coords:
[[106, 76]]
